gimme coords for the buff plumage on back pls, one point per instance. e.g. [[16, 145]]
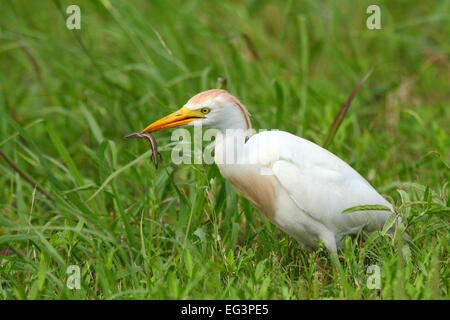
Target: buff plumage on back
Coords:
[[201, 97]]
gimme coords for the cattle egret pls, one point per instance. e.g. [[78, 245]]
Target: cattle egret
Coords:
[[301, 187]]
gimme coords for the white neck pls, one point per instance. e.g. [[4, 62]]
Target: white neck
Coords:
[[229, 146], [233, 132], [237, 119]]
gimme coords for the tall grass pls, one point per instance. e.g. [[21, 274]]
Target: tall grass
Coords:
[[180, 231]]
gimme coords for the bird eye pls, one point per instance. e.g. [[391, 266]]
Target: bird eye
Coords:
[[205, 110]]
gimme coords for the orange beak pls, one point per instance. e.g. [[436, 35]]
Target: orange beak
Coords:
[[179, 118]]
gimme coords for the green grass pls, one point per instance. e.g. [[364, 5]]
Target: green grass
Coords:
[[180, 231]]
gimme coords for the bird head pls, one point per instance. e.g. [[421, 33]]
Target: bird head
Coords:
[[214, 108]]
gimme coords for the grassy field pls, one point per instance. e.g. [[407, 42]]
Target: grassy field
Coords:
[[67, 97]]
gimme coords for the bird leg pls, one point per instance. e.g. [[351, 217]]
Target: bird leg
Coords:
[[330, 244], [155, 156]]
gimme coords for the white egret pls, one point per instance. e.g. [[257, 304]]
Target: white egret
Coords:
[[301, 187]]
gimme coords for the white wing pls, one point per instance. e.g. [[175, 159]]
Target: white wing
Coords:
[[320, 184]]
